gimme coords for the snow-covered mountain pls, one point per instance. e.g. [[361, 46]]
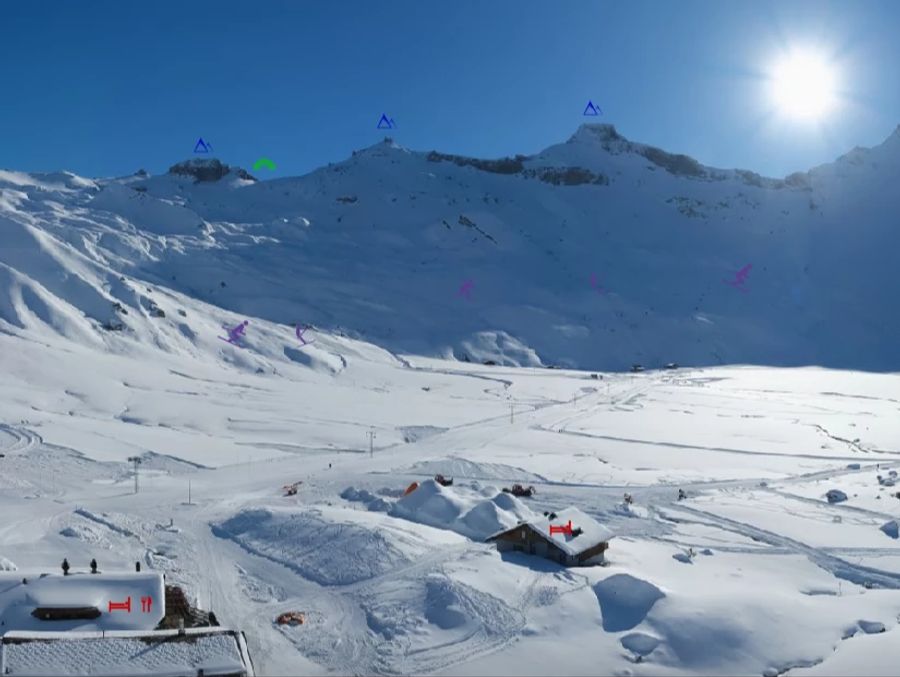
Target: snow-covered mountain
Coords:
[[596, 253], [275, 475]]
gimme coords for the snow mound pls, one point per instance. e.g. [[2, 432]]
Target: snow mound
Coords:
[[380, 505], [316, 359], [625, 601], [431, 504], [414, 433], [7, 565], [836, 496], [443, 606], [360, 495], [454, 466], [372, 502], [311, 542], [891, 529], [631, 510], [871, 627], [463, 510], [639, 643], [84, 532], [500, 347]]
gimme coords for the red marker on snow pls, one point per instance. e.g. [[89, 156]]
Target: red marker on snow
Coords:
[[120, 606], [564, 529]]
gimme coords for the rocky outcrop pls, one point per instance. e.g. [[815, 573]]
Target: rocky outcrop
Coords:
[[504, 165], [208, 170]]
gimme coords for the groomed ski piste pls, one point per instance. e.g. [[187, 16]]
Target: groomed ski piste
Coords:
[[778, 579], [108, 352]]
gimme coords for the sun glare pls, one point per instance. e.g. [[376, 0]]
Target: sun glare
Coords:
[[803, 86]]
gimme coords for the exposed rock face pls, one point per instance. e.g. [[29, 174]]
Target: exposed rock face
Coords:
[[502, 166], [208, 170], [567, 176]]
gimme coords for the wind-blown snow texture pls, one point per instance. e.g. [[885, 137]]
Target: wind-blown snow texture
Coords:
[[117, 297]]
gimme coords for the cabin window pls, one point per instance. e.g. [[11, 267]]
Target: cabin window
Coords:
[[523, 533], [66, 613]]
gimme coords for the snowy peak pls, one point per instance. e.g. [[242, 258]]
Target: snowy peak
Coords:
[[602, 140], [605, 137], [603, 134]]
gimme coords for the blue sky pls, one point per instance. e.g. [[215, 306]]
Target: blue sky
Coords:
[[103, 88]]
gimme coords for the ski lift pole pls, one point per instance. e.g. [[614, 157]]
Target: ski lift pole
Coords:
[[136, 460], [371, 435]]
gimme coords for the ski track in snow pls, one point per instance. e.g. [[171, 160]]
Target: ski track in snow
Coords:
[[248, 588]]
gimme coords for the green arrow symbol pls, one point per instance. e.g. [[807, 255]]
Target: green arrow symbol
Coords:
[[263, 162]]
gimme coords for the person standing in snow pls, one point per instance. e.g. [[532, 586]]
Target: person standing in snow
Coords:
[[93, 566], [65, 567]]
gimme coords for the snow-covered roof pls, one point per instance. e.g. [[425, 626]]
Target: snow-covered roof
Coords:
[[126, 600], [161, 653], [592, 531]]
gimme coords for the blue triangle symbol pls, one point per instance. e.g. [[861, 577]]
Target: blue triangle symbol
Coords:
[[591, 109], [385, 122], [202, 146]]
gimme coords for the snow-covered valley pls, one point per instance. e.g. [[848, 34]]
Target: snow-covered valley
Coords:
[[117, 297]]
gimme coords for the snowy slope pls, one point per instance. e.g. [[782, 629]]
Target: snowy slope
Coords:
[[755, 571], [596, 253], [117, 295]]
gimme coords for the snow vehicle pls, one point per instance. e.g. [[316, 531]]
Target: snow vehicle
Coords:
[[443, 481], [520, 491], [672, 365], [636, 368], [291, 489]]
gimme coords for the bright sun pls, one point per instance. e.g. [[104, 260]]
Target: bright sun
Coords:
[[803, 86]]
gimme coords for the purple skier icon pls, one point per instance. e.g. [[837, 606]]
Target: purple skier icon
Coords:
[[466, 290], [300, 335], [740, 277], [236, 333]]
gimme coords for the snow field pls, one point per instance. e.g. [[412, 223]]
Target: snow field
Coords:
[[404, 592]]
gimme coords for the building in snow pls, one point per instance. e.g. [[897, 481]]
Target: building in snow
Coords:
[[110, 624], [574, 540], [204, 652], [81, 601]]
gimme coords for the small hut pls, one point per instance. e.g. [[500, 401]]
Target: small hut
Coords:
[[575, 540]]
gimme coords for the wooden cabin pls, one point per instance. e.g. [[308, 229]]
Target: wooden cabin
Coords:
[[584, 545]]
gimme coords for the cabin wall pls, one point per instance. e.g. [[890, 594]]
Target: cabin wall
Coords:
[[527, 540], [593, 555], [523, 537]]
